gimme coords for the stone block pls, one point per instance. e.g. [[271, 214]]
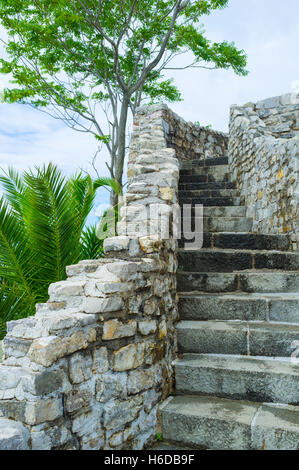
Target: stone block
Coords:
[[50, 437], [111, 385], [77, 399], [128, 357], [96, 305], [114, 329], [117, 415], [141, 379], [100, 363], [43, 410], [80, 367], [13, 435], [147, 327], [116, 244]]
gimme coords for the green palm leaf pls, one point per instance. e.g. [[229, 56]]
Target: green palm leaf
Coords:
[[42, 230]]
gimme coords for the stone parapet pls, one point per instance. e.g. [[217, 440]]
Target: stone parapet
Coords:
[[263, 158]]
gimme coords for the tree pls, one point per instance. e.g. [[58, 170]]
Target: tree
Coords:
[[71, 58], [42, 230]]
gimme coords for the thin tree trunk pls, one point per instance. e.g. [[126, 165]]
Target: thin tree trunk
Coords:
[[121, 153]]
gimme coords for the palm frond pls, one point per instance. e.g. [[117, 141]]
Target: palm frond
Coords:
[[91, 246]]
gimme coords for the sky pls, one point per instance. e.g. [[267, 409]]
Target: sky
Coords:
[[268, 31]]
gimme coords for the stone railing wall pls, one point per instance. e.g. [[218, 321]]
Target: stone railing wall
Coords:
[[263, 157], [190, 141], [89, 370]]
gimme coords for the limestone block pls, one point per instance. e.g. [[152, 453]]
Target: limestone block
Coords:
[[114, 329], [13, 435], [75, 400], [47, 350], [102, 305], [43, 410], [116, 244], [147, 327], [141, 379], [45, 382], [80, 367], [15, 347], [10, 377], [49, 437], [100, 362], [88, 424], [66, 288], [150, 244], [111, 385], [129, 357], [116, 415]]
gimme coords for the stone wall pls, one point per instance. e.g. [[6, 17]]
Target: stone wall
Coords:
[[190, 141], [263, 158], [89, 370]]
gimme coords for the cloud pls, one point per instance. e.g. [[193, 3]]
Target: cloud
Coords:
[[29, 137]]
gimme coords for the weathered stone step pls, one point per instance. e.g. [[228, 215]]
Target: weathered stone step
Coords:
[[236, 337], [204, 178], [238, 377], [262, 282], [227, 224], [200, 186], [242, 241], [211, 201], [222, 224], [207, 193], [255, 307], [229, 211], [217, 260], [218, 172], [222, 424], [251, 241], [186, 164]]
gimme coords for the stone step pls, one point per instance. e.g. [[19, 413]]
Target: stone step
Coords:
[[218, 172], [242, 241], [237, 337], [204, 178], [254, 307], [186, 164], [222, 424], [227, 224], [211, 201], [229, 211], [263, 282], [238, 377], [217, 260], [251, 241], [208, 193], [206, 186], [221, 224]]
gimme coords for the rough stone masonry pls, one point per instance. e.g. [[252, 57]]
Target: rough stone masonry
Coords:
[[91, 368], [264, 156]]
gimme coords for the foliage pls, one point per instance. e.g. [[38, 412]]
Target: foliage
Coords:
[[72, 57], [42, 230]]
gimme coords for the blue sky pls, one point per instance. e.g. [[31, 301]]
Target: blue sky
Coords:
[[267, 30]]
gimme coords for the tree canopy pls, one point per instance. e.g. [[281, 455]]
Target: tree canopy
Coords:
[[81, 59]]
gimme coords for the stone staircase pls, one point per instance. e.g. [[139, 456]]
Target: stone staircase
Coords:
[[237, 386]]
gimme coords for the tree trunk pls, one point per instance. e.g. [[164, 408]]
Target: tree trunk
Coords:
[[121, 153]]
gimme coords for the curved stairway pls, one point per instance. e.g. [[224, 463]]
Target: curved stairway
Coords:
[[237, 385]]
